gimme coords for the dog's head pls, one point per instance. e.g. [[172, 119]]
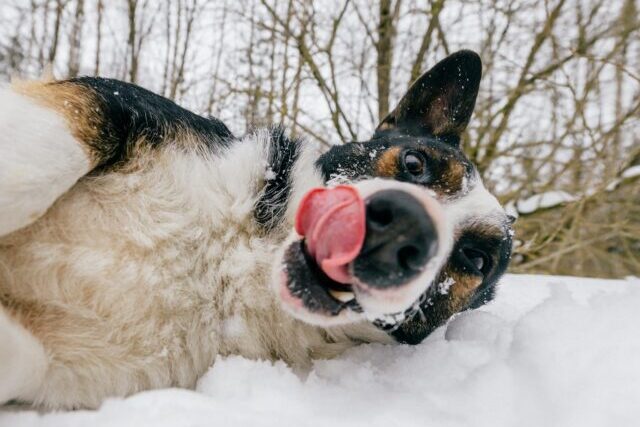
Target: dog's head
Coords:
[[405, 234]]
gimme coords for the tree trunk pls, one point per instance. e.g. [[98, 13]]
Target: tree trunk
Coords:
[[75, 39], [385, 53], [99, 12], [53, 50], [131, 41]]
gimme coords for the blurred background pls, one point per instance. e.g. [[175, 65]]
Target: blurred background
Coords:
[[556, 131]]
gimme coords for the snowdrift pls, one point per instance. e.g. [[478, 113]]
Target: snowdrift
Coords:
[[549, 351]]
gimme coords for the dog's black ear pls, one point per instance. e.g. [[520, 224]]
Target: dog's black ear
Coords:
[[441, 101]]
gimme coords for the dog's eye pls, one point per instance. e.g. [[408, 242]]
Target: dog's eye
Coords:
[[415, 163], [477, 259]]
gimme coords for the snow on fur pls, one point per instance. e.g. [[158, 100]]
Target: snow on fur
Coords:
[[549, 350]]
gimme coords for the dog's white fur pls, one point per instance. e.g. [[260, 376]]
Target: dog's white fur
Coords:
[[138, 280], [476, 203], [39, 160]]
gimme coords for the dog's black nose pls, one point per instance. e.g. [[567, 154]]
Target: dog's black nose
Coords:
[[400, 240]]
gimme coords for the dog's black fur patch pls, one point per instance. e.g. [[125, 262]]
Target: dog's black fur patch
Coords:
[[132, 114], [283, 153]]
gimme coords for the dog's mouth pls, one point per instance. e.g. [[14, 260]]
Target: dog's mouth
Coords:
[[359, 254], [317, 268], [310, 290]]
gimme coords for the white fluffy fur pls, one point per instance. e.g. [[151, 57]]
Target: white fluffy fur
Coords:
[[39, 160], [138, 280], [476, 204]]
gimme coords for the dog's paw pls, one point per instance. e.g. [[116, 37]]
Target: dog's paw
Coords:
[[23, 361]]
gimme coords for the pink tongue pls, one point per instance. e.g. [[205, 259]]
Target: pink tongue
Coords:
[[333, 223]]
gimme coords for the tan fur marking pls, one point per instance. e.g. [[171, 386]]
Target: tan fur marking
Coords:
[[387, 164], [486, 230], [75, 103], [451, 174], [462, 289], [438, 115]]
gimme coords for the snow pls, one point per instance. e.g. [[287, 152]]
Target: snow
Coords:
[[613, 185], [549, 351], [543, 201], [631, 172], [555, 198], [269, 174], [444, 286]]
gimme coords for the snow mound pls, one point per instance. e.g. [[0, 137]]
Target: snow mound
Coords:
[[549, 351]]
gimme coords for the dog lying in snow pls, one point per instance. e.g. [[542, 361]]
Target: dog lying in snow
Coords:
[[138, 241]]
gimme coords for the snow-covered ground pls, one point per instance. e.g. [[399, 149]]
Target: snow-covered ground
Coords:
[[550, 351]]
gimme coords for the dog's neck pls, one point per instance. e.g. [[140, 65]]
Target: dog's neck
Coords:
[[271, 173]]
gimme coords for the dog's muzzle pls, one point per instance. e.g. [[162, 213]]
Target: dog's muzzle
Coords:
[[372, 248], [400, 239]]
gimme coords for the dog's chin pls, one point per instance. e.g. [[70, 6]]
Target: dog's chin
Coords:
[[308, 294]]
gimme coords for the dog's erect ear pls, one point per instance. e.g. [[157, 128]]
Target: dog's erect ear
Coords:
[[439, 102]]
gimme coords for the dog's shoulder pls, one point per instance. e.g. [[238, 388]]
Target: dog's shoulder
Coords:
[[116, 120], [142, 111], [136, 118]]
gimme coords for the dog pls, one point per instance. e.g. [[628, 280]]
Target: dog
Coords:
[[140, 241]]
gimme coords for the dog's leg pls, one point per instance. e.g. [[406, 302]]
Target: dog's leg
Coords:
[[53, 133], [23, 361], [40, 158]]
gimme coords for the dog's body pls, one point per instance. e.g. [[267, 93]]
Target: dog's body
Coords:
[[139, 241]]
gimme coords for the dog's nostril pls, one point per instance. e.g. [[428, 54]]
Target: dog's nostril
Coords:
[[410, 258], [379, 213]]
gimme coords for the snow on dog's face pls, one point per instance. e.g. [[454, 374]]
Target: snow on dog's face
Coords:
[[404, 234]]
